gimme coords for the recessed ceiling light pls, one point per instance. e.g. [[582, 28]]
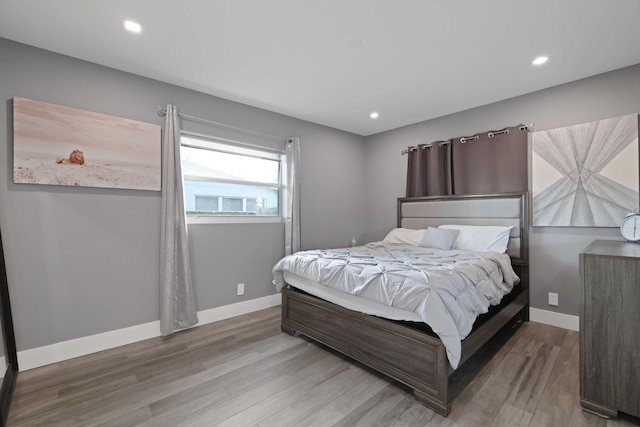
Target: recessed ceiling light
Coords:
[[132, 26], [374, 115], [353, 44], [540, 60]]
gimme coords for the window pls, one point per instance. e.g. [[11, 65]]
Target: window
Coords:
[[207, 203], [225, 179]]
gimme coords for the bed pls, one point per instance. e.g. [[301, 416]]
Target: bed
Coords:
[[404, 348]]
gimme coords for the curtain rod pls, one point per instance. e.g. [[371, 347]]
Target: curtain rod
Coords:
[[162, 112], [465, 139]]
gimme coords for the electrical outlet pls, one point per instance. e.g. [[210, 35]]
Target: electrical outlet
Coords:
[[240, 288], [553, 299]]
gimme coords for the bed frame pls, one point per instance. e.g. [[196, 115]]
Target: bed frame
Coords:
[[404, 353]]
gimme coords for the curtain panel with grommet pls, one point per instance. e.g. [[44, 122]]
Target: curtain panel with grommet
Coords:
[[429, 169], [494, 162], [487, 162], [178, 308], [292, 196]]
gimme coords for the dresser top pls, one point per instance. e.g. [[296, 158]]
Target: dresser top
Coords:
[[614, 248]]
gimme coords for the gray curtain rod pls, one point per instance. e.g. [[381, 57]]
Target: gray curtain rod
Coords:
[[465, 139], [163, 112]]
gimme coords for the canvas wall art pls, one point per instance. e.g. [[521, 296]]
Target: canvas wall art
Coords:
[[59, 145], [586, 175]]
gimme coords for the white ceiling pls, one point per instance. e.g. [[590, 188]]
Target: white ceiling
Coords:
[[418, 59]]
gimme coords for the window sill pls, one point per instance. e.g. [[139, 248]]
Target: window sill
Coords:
[[234, 220]]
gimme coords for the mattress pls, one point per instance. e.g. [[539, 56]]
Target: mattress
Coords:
[[352, 302], [447, 290]]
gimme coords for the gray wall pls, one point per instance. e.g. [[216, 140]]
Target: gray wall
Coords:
[[82, 261], [553, 251]]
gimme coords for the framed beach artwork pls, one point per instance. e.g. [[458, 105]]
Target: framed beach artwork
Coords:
[[586, 175], [58, 145]]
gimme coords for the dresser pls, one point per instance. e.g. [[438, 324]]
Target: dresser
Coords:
[[610, 328]]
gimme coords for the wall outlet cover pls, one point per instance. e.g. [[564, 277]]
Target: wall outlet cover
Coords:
[[553, 299]]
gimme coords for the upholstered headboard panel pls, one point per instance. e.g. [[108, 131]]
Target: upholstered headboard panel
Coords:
[[509, 209]]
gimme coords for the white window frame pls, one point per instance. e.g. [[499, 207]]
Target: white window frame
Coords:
[[240, 219]]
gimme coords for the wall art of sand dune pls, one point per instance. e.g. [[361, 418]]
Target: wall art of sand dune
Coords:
[[118, 152]]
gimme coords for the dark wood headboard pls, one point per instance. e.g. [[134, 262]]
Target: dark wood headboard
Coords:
[[505, 209]]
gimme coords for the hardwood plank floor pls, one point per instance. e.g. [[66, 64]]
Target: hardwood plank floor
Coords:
[[245, 372]]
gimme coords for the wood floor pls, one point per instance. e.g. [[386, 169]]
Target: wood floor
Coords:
[[245, 372]]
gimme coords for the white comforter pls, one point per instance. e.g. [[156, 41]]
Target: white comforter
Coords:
[[447, 289]]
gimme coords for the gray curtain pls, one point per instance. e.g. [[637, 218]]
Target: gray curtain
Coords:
[[495, 164], [292, 197], [177, 299], [429, 170]]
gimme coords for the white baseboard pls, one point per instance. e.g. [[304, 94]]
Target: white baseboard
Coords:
[[566, 321], [46, 355], [41, 356], [232, 310]]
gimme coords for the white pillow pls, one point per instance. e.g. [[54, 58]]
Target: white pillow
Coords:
[[405, 235], [481, 237], [439, 238]]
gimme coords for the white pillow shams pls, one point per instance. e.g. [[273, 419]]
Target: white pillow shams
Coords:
[[439, 238], [405, 235], [481, 237]]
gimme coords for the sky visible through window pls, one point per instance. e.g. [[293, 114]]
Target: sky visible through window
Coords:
[[216, 164]]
